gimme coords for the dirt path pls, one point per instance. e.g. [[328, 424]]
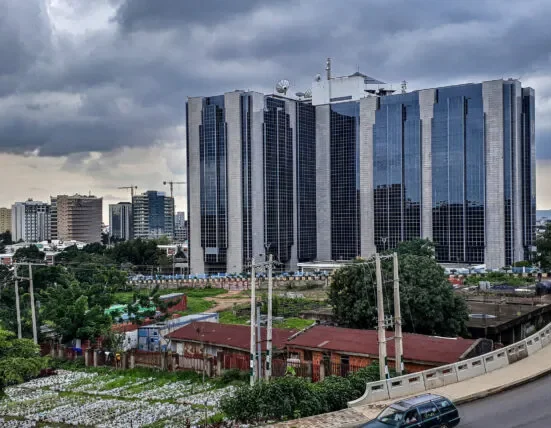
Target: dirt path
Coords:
[[224, 301]]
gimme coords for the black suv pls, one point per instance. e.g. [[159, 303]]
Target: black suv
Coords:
[[423, 411]]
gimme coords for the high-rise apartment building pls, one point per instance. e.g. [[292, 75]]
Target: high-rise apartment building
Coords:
[[355, 167], [5, 219], [30, 221], [53, 217], [79, 218], [153, 215], [120, 220]]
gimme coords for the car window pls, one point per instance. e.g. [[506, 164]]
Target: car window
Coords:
[[428, 411], [411, 418], [391, 416], [444, 405]]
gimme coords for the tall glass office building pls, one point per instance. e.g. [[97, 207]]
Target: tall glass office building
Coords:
[[356, 168]]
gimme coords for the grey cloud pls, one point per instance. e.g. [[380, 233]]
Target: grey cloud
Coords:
[[126, 85], [155, 15]]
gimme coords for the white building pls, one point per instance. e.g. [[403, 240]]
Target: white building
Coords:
[[30, 221]]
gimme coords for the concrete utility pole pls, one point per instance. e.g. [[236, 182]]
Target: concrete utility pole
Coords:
[[383, 369], [268, 371], [398, 349], [253, 339], [33, 309], [17, 305], [258, 342]]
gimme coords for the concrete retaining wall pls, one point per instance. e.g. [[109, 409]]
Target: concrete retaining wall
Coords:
[[407, 385]]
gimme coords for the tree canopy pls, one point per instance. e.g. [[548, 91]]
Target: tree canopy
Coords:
[[19, 359], [428, 302], [543, 245]]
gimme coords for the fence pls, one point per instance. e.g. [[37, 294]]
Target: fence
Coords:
[[433, 378]]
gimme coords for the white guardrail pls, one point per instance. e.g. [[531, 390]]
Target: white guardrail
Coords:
[[419, 382]]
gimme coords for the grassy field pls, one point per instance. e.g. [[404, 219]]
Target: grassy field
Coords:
[[228, 317]]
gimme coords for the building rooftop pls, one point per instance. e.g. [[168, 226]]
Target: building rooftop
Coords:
[[228, 335], [417, 347]]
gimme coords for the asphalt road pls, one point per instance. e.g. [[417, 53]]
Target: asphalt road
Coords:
[[526, 406]]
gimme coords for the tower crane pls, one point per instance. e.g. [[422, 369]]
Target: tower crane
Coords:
[[171, 184], [132, 188]]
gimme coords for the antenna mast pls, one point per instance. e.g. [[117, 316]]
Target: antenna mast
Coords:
[[404, 86], [328, 68]]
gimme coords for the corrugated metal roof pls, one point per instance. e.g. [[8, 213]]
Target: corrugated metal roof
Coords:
[[228, 335], [417, 347]]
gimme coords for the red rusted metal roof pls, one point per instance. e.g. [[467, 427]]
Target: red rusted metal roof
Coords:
[[417, 347], [228, 335]]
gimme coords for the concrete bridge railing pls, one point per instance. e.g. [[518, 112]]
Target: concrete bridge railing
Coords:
[[420, 382]]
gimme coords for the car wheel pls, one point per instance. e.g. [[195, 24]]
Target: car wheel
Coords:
[[443, 426]]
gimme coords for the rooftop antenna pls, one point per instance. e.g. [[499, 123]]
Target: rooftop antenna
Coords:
[[328, 68], [404, 86]]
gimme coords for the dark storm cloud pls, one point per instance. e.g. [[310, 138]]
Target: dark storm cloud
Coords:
[[158, 15], [126, 83]]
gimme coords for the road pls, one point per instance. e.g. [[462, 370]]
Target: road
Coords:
[[526, 406]]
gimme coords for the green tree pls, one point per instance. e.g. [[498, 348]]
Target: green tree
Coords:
[[75, 310], [6, 237], [30, 253], [419, 247], [428, 302], [19, 360], [543, 245], [2, 247]]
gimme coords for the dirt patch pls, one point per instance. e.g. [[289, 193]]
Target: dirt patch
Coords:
[[226, 301]]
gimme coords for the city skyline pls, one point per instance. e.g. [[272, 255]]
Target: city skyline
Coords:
[[67, 115]]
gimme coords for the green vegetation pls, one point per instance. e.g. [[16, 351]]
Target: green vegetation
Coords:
[[499, 278], [19, 360], [543, 245], [196, 305], [293, 397], [429, 304], [294, 323], [228, 317]]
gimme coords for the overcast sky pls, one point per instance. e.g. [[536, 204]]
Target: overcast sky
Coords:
[[92, 92]]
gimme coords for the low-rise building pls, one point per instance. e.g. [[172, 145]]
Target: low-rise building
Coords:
[[223, 341], [346, 349]]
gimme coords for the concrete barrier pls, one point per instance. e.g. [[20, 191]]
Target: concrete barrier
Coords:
[[533, 344], [374, 391], [406, 385], [495, 360], [440, 376], [517, 351], [545, 336], [470, 368]]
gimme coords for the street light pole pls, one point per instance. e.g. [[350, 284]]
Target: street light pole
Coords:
[[383, 371], [398, 351], [268, 371]]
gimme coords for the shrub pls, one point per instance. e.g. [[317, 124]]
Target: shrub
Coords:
[[292, 397]]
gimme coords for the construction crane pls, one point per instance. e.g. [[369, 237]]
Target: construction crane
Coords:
[[171, 184], [132, 188]]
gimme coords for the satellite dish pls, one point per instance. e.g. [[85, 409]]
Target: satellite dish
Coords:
[[300, 94], [318, 77], [282, 86], [308, 93]]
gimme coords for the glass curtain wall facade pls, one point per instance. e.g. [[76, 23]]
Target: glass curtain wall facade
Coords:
[[458, 177], [344, 153], [528, 171], [246, 108], [212, 146], [306, 182], [278, 180], [397, 171]]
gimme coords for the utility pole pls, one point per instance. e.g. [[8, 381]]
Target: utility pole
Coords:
[[398, 349], [33, 309], [17, 308], [258, 342], [383, 370], [253, 339], [268, 371]]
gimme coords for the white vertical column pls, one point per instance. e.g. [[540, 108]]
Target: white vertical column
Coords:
[[368, 108], [232, 105], [492, 95], [196, 263], [257, 173], [291, 110], [323, 182], [427, 98]]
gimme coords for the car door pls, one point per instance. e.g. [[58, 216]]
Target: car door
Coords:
[[430, 415], [448, 412], [412, 419]]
